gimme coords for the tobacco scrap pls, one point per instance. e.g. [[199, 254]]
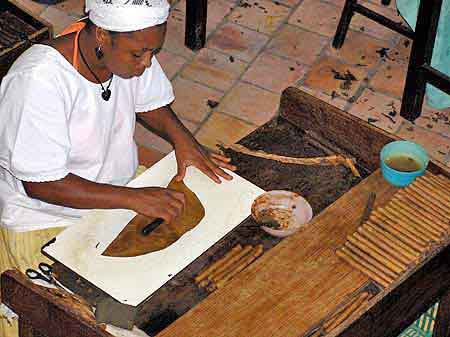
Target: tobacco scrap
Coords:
[[347, 78], [212, 104], [321, 161], [383, 52]]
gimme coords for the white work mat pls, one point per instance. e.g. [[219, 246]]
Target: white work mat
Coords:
[[131, 280]]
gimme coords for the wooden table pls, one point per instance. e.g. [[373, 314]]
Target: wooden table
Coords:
[[298, 282]]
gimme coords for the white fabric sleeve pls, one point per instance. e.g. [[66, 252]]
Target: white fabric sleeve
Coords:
[[35, 134], [154, 89]]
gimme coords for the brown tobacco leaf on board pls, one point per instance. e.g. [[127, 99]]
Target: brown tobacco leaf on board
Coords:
[[131, 242]]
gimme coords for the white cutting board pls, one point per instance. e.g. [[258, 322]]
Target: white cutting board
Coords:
[[131, 280]]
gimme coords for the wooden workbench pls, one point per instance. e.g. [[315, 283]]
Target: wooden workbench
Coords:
[[298, 282]]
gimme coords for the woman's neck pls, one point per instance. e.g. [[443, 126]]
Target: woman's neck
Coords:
[[87, 45]]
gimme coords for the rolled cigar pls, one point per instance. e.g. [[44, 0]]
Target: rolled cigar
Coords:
[[346, 312], [362, 268], [423, 200], [405, 228], [316, 334], [397, 232], [388, 237], [218, 263], [434, 197], [361, 256], [444, 180], [417, 204], [385, 247], [429, 185], [429, 219], [377, 254], [241, 265], [438, 179], [229, 264], [425, 232], [430, 197], [394, 243]]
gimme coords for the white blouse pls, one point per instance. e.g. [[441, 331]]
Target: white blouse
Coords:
[[54, 122]]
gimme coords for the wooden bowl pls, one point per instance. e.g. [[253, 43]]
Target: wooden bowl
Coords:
[[281, 213]]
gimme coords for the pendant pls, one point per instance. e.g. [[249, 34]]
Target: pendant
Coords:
[[106, 95]]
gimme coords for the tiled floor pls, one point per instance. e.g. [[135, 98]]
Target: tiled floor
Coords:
[[256, 48]]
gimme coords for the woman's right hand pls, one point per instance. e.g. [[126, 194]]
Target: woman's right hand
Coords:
[[155, 202]]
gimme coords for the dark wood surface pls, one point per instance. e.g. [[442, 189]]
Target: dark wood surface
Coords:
[[37, 31], [43, 312], [388, 317]]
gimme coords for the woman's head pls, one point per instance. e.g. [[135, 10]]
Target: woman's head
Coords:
[[128, 32]]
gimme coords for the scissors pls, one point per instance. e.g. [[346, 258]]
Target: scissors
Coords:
[[45, 273]]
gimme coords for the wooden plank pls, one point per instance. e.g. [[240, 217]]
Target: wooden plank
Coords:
[[49, 314], [293, 286], [361, 139]]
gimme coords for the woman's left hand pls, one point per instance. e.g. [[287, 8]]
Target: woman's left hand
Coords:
[[191, 153]]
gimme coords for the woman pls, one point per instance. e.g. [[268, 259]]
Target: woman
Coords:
[[66, 132]]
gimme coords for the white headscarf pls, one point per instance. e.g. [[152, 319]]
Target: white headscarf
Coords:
[[127, 15]]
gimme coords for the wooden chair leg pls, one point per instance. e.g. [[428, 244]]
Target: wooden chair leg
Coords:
[[196, 16], [344, 24], [442, 323], [421, 54]]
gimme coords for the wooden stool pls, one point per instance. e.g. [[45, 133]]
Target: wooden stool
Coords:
[[420, 71]]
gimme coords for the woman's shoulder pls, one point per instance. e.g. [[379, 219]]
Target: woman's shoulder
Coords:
[[41, 60]]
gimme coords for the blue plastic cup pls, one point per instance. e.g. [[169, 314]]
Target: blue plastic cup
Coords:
[[403, 148]]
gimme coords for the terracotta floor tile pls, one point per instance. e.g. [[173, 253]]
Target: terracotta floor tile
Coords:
[[339, 3], [263, 16], [191, 99], [372, 28], [57, 18], [317, 16], [217, 10], [237, 41], [400, 53], [378, 109], [150, 140], [171, 63], [323, 75], [359, 48], [214, 69], [336, 101], [298, 44], [274, 73], [175, 34], [434, 120], [250, 103], [437, 146], [290, 3], [34, 7], [222, 128], [390, 79], [72, 7]]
